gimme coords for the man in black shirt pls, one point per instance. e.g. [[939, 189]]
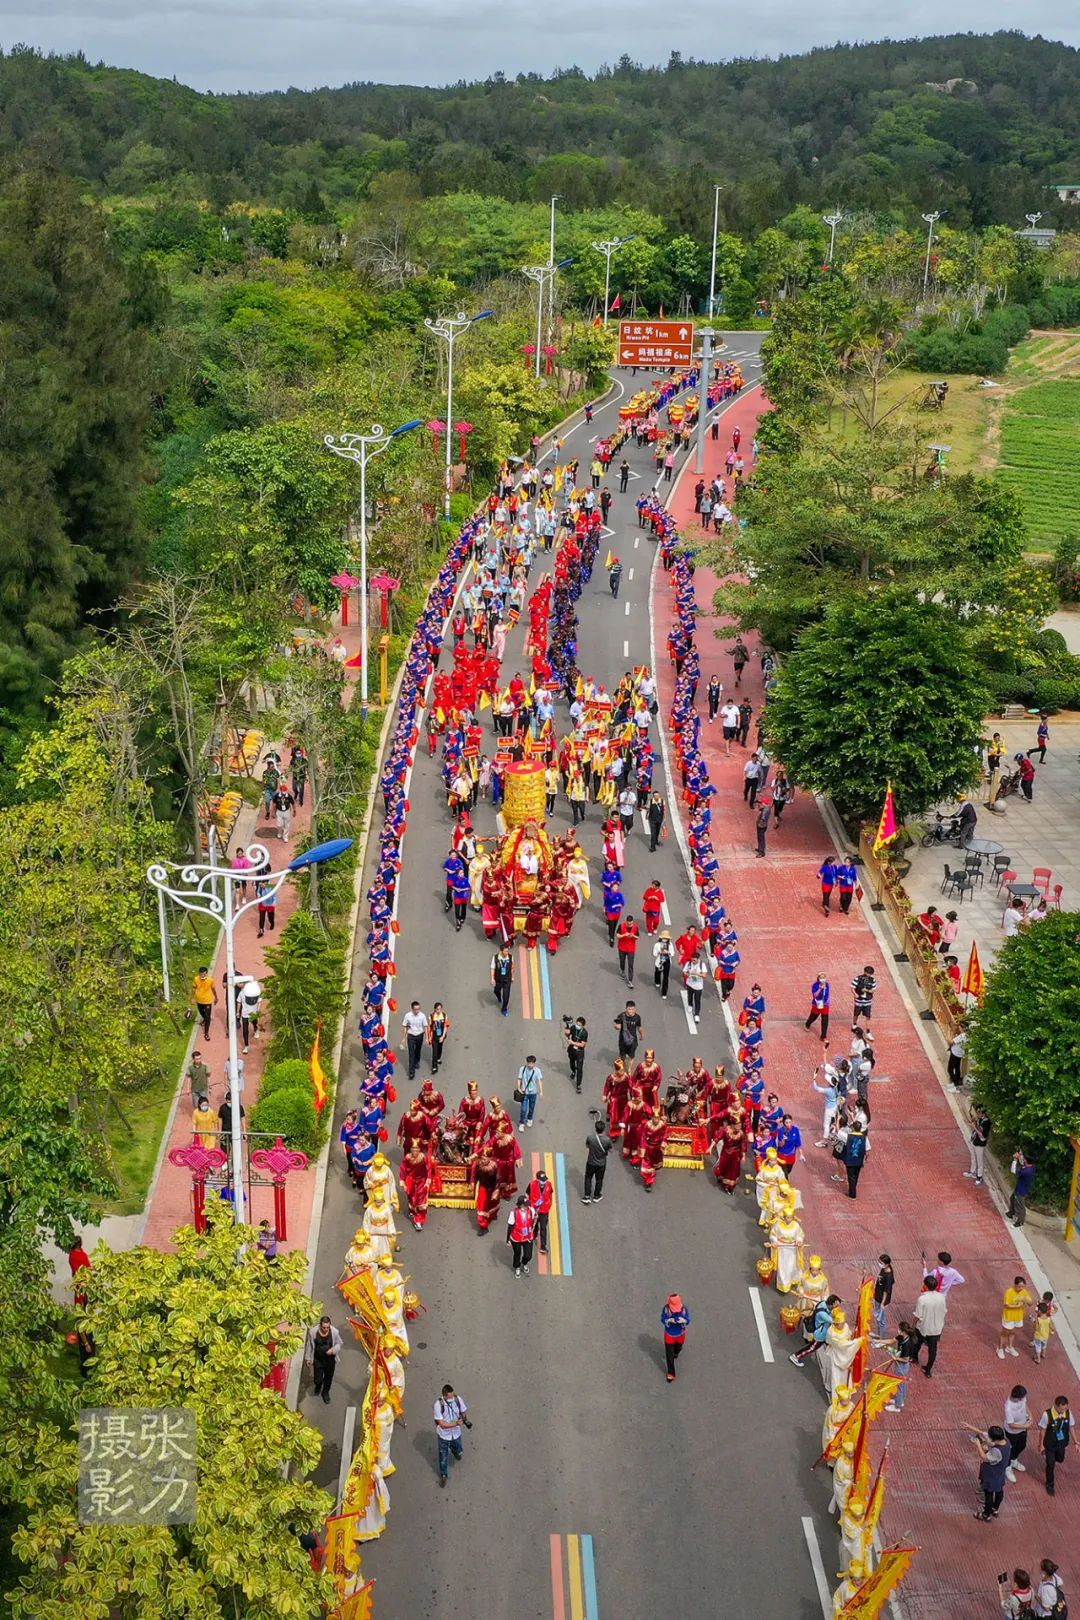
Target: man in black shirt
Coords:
[[577, 1038], [863, 988], [628, 1024], [598, 1145]]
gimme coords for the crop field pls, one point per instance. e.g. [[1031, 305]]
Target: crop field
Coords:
[[1040, 456]]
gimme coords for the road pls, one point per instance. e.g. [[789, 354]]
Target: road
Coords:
[[693, 1493]]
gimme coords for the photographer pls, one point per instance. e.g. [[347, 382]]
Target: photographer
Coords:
[[576, 1034]]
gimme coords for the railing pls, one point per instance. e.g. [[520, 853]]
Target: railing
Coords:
[[888, 893]]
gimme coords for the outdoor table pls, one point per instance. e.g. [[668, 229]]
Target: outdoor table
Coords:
[[1023, 891], [982, 846]]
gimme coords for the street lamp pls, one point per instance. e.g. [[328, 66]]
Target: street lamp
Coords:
[[194, 887], [360, 447], [607, 249], [832, 221], [931, 220], [450, 327], [717, 189], [557, 197], [542, 274]]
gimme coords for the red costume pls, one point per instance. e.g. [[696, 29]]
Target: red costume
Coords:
[[647, 1077], [432, 1102], [652, 903], [688, 945], [488, 1196], [495, 1122], [730, 1157], [506, 1152], [416, 1180], [653, 1137], [473, 1111], [636, 1115], [617, 1095], [414, 1127]]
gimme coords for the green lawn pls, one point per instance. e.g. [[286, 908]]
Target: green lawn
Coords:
[[1040, 456]]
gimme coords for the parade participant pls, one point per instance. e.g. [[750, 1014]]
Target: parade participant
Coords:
[[416, 1126], [616, 1096], [350, 1135], [637, 1112], [662, 959], [438, 1028], [432, 1103], [479, 864], [506, 1152], [577, 873], [853, 1528], [730, 1150], [728, 961], [688, 945], [819, 1005], [540, 1194], [652, 904], [769, 1182], [653, 1138], [839, 1350], [379, 1223], [843, 1477], [648, 1078], [675, 1319], [847, 879], [380, 1178], [416, 1180], [852, 1578], [786, 1238], [753, 1007], [488, 1195], [360, 1255], [842, 1400], [788, 1143], [626, 938], [813, 1284], [473, 1110], [520, 1230]]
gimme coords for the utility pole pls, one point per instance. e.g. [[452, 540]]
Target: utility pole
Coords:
[[717, 189], [931, 220], [832, 221], [707, 335]]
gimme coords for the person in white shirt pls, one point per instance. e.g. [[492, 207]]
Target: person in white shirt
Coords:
[[450, 1413], [930, 1311], [1013, 919], [1016, 1425], [1048, 1591], [729, 720], [414, 1025], [694, 976]]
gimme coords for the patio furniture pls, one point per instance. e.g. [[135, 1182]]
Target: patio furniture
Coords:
[[1001, 866], [1041, 878], [1055, 898], [959, 882], [973, 868]]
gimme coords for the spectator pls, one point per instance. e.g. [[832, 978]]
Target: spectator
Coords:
[[978, 1140], [323, 1345], [957, 1048], [598, 1145], [1023, 1168], [1017, 1424], [1013, 1305], [675, 1319], [1055, 1435], [931, 1309], [993, 1465], [883, 1293]]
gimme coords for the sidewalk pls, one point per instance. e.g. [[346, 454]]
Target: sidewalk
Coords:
[[913, 1198], [169, 1200]]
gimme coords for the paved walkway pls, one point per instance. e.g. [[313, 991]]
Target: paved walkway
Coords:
[[169, 1202], [913, 1198]]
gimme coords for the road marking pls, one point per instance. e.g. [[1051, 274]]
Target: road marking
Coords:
[[523, 980], [545, 979], [573, 1564], [564, 1215], [630, 574], [626, 649], [627, 610], [817, 1564], [762, 1327], [558, 1603], [347, 1433], [666, 914], [594, 438], [634, 474], [690, 1024], [637, 541], [588, 1566]]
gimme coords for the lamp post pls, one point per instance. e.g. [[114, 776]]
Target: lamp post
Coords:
[[607, 249], [360, 447], [194, 887], [832, 221], [717, 189], [450, 328], [542, 274], [931, 220], [557, 197]]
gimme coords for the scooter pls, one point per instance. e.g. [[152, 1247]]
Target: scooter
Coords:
[[946, 830]]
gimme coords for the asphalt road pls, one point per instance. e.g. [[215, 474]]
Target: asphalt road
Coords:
[[692, 1493]]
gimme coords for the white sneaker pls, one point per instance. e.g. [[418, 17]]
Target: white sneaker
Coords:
[[517, 1271], [1000, 1354], [1012, 1351], [1010, 1476], [1021, 1468], [526, 1271], [890, 1406], [969, 1175], [521, 1127], [529, 1123]]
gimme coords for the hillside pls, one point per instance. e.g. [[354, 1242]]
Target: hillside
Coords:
[[975, 124]]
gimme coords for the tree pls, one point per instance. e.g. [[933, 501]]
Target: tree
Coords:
[[885, 689], [198, 1328], [1022, 1047]]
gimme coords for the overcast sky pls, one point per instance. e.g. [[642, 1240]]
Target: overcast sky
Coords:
[[271, 44]]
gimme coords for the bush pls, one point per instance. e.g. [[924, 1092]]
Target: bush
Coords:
[[946, 352], [288, 1074], [308, 985], [1010, 323], [1008, 687], [1056, 692], [1022, 1048], [291, 1114]]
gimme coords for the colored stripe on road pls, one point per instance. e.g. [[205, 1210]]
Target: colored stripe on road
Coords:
[[523, 980], [545, 980], [573, 1578], [588, 1570], [573, 1570], [534, 977], [564, 1215], [557, 1262]]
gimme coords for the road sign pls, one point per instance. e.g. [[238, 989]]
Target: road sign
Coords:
[[656, 343]]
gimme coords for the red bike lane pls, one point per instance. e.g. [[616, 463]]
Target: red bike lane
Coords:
[[913, 1198]]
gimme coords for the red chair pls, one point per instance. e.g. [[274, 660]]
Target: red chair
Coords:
[[1055, 899], [1041, 878], [1005, 878]]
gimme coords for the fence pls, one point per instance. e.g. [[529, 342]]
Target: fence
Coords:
[[883, 882]]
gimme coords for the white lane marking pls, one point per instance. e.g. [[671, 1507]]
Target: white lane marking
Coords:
[[817, 1564], [630, 573], [594, 438], [627, 610], [347, 1434], [762, 1328], [626, 649], [690, 1023], [637, 541], [633, 474], [666, 914]]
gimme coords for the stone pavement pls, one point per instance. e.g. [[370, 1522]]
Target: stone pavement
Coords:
[[913, 1198]]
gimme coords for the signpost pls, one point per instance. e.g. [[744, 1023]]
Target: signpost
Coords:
[[656, 343]]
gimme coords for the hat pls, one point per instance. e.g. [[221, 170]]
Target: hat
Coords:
[[541, 1175], [674, 1302], [665, 933]]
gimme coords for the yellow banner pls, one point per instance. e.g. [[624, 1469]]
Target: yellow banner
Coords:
[[850, 1429], [876, 1500], [342, 1551], [864, 1319], [357, 1607], [880, 1387], [873, 1594]]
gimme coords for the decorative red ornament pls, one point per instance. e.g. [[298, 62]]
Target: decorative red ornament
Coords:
[[281, 1161], [462, 429], [202, 1162]]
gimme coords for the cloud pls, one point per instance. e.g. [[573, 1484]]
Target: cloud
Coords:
[[228, 45]]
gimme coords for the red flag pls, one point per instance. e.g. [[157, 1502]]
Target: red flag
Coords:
[[974, 979], [616, 303], [887, 828]]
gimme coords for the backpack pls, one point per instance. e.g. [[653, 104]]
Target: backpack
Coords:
[[855, 1148]]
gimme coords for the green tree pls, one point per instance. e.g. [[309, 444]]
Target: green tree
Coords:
[[199, 1328], [1022, 1047], [885, 689]]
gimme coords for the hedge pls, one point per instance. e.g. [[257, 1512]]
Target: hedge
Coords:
[[290, 1113]]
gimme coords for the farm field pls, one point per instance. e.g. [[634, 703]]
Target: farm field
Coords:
[[1040, 456]]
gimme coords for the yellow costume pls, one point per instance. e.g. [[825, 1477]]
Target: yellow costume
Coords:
[[770, 1180], [395, 1315], [813, 1283], [840, 1407], [379, 1223], [786, 1238], [853, 1530], [479, 864], [843, 1475], [360, 1255], [577, 872], [380, 1175], [851, 1579], [838, 1352]]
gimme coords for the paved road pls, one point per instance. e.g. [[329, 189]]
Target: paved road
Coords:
[[692, 1493]]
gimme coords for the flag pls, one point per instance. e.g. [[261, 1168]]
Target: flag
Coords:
[[860, 1462], [974, 979], [342, 1558], [485, 701], [864, 1319], [616, 303], [609, 559], [876, 1500], [880, 1387], [873, 1594], [848, 1430], [887, 824], [357, 1606], [318, 1073]]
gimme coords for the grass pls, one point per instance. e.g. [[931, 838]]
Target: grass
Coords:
[[963, 424], [1040, 456]]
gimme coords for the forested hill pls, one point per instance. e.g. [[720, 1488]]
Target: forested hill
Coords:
[[975, 124]]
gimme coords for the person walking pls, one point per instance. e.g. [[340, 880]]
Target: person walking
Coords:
[[746, 714], [626, 939], [739, 657], [283, 807], [615, 577], [520, 1232], [1013, 1307], [695, 973], [674, 1319], [323, 1346], [714, 692], [414, 1027], [847, 878], [653, 902], [598, 1144], [1017, 1422], [1055, 1437], [1050, 1601], [450, 1413], [662, 955], [729, 721], [624, 476], [761, 825], [993, 1465], [1023, 1168], [438, 1028], [819, 1005], [854, 1154], [883, 1293], [654, 815], [502, 977], [751, 777], [541, 1195], [630, 1030], [931, 1309], [204, 998], [530, 1086], [267, 907], [863, 986], [827, 878], [1042, 738], [577, 1039], [978, 1141]]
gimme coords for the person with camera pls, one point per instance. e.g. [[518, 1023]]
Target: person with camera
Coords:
[[576, 1033], [450, 1413]]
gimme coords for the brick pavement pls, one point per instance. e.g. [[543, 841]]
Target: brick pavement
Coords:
[[913, 1197]]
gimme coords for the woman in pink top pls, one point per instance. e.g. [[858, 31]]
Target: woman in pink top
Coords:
[[241, 863], [949, 930]]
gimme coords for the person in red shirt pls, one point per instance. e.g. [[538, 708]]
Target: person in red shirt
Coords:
[[416, 1180], [540, 1194], [626, 938], [78, 1260], [652, 904]]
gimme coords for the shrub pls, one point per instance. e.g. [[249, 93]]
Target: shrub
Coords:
[[1056, 692], [1009, 323], [946, 352], [1022, 1048], [291, 1114], [288, 1074], [1007, 686], [308, 984]]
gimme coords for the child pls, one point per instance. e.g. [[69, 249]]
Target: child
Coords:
[[1043, 1328]]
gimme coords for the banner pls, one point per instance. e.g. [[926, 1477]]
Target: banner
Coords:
[[868, 1602], [864, 1321], [318, 1073], [880, 1387], [974, 982], [342, 1552], [887, 825], [357, 1607], [848, 1430], [876, 1500]]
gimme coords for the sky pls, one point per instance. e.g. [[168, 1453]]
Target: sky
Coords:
[[229, 45]]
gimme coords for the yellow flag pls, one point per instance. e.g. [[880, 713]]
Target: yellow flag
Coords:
[[342, 1552], [609, 559], [318, 1073], [874, 1592], [880, 1387], [485, 701], [876, 1500]]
